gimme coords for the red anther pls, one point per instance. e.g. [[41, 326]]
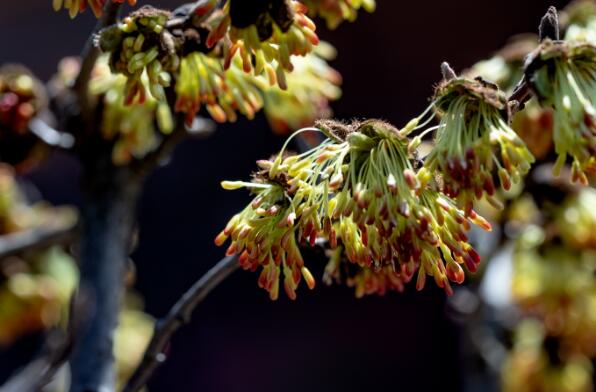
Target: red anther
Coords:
[[475, 256], [221, 238], [421, 280], [333, 239], [290, 292], [455, 273], [470, 264], [231, 249], [313, 238], [505, 179]]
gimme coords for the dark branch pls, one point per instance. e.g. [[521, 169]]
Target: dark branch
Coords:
[[178, 316], [37, 238], [549, 25], [549, 28], [91, 54]]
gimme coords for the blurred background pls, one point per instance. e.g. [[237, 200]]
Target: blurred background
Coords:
[[326, 340]]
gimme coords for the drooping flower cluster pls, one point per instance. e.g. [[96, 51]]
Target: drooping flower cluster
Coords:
[[265, 34], [471, 139], [311, 86], [139, 46], [359, 190], [265, 234], [76, 6], [336, 11], [202, 80], [563, 76], [135, 128], [22, 97]]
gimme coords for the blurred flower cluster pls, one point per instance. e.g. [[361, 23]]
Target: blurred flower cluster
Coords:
[[210, 58], [554, 286], [336, 11], [36, 286], [564, 78], [22, 97], [138, 47], [270, 31], [359, 192], [135, 128], [33, 288]]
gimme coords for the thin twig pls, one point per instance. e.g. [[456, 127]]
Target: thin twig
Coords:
[[548, 29], [36, 238], [178, 316], [91, 54]]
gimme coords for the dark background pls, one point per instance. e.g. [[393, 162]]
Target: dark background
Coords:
[[326, 340]]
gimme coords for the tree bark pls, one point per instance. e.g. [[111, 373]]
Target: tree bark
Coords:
[[107, 215]]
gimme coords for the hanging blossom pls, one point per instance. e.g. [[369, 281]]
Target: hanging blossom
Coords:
[[311, 86], [384, 217], [533, 124], [265, 234], [76, 6], [473, 138], [563, 76], [140, 47], [264, 34], [359, 190], [336, 11], [134, 128], [202, 81]]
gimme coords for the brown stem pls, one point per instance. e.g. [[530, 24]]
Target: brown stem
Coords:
[[177, 317]]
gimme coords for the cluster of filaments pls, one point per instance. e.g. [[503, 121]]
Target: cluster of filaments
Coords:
[[564, 78], [473, 139], [359, 192], [230, 60]]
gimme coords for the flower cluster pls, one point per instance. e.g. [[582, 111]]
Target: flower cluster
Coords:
[[471, 139], [533, 124], [311, 86], [537, 362], [359, 190], [202, 80], [265, 234], [139, 46], [134, 128], [265, 34], [563, 76], [76, 6], [336, 11], [22, 97], [553, 283]]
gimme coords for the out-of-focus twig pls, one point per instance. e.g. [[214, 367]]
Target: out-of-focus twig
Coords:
[[36, 238]]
